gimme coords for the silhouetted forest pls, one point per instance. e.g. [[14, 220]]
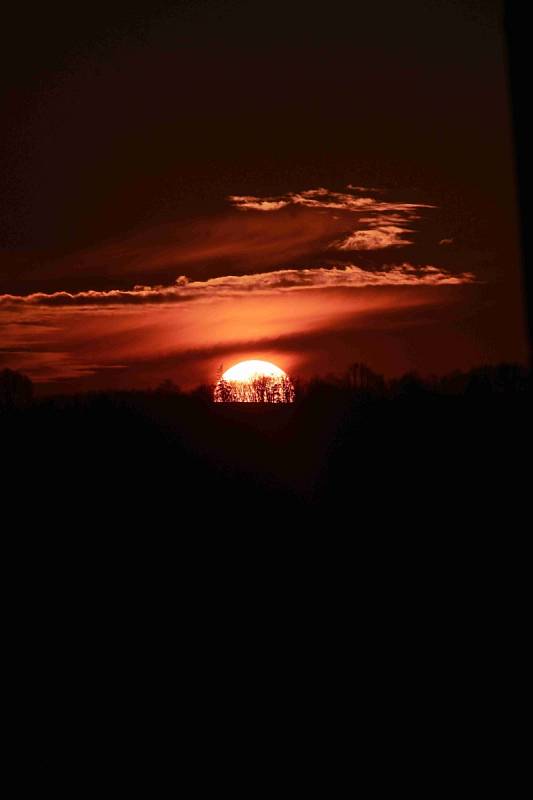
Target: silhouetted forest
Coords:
[[359, 453], [260, 389], [152, 533]]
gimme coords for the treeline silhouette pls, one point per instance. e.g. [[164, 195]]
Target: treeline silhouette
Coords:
[[259, 389], [356, 449]]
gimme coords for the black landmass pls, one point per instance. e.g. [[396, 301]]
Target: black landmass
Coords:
[[356, 453], [171, 563]]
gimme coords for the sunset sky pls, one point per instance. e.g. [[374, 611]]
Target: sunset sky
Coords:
[[190, 184]]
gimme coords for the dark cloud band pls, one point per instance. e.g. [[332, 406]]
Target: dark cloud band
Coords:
[[264, 283]]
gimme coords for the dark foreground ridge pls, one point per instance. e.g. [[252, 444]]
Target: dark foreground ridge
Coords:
[[357, 452], [163, 541]]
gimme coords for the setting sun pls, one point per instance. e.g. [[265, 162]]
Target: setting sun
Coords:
[[254, 381]]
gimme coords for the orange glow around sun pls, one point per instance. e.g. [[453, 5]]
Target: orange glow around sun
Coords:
[[254, 381]]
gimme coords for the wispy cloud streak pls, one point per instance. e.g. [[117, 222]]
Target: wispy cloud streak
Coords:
[[287, 280], [386, 220], [322, 198], [375, 238]]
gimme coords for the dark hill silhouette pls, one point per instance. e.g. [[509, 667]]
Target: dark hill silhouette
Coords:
[[157, 531], [350, 449]]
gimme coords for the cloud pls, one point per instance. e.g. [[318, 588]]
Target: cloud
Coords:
[[255, 235], [446, 241], [322, 198], [365, 189], [255, 203], [44, 365], [375, 238], [386, 220], [321, 331], [286, 280]]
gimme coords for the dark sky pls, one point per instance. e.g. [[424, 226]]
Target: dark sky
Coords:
[[129, 127]]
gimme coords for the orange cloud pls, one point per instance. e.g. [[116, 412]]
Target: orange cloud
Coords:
[[322, 198], [260, 285], [386, 219], [138, 345], [375, 238], [300, 230], [287, 280]]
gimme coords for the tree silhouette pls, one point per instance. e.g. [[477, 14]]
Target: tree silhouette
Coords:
[[409, 385], [16, 389], [223, 392], [168, 387], [363, 379], [259, 389]]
